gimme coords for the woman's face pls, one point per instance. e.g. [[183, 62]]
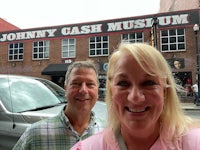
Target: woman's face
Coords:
[[138, 98]]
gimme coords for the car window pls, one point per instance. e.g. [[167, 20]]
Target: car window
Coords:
[[57, 90], [19, 95]]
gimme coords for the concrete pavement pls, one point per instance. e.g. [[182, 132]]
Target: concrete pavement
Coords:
[[190, 106], [187, 103]]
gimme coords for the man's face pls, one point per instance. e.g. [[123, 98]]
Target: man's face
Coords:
[[82, 89]]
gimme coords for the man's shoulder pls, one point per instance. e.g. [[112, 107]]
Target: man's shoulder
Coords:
[[46, 123]]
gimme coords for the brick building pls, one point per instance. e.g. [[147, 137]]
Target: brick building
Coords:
[[6, 26], [46, 52]]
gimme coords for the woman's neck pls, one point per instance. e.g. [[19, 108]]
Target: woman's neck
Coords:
[[140, 140]]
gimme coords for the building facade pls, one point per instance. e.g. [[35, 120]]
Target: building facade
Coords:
[[6, 26], [177, 5], [46, 52]]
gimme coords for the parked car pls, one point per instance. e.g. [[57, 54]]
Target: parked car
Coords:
[[25, 100]]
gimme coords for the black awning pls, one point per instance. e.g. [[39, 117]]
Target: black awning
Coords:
[[55, 69]]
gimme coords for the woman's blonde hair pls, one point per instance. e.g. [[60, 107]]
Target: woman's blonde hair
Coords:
[[173, 121]]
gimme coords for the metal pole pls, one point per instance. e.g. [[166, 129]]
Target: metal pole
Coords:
[[155, 27], [197, 61]]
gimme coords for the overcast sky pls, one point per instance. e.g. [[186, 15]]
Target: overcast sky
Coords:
[[41, 13]]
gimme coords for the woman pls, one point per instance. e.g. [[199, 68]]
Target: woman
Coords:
[[144, 111]]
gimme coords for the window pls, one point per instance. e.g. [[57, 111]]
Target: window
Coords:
[[41, 50], [68, 48], [99, 46], [16, 52], [173, 40], [133, 37]]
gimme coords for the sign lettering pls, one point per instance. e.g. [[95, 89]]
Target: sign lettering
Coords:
[[100, 27]]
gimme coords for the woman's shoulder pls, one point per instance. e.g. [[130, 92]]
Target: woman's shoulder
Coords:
[[90, 143], [99, 141], [193, 132], [191, 140]]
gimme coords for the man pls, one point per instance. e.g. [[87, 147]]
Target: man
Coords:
[[76, 121], [196, 93]]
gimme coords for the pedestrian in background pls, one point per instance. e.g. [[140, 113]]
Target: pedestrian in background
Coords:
[[75, 122], [144, 111], [195, 90]]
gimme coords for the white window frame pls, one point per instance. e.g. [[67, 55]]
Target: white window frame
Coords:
[[99, 46], [41, 50], [69, 48], [133, 37], [175, 42], [16, 52]]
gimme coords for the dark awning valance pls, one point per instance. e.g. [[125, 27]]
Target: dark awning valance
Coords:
[[55, 69]]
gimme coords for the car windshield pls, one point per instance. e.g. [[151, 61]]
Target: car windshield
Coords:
[[23, 94]]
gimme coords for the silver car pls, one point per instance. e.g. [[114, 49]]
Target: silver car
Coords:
[[25, 100]]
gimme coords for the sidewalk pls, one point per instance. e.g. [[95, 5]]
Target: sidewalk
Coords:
[[190, 106], [188, 103]]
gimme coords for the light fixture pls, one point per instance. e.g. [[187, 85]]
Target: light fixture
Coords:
[[196, 30]]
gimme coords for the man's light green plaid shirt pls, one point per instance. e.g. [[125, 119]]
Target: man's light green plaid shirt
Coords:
[[54, 134]]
